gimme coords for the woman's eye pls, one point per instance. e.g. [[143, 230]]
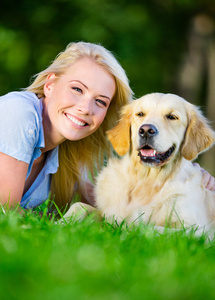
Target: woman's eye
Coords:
[[172, 117], [101, 102], [77, 89]]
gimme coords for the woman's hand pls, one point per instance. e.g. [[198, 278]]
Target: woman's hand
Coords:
[[207, 179]]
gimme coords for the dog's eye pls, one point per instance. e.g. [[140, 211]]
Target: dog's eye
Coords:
[[140, 114], [172, 117]]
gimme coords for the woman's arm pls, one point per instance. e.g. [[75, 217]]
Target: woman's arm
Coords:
[[12, 179]]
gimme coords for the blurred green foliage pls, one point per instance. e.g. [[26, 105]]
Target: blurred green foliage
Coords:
[[147, 37]]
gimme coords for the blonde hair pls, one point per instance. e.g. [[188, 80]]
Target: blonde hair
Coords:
[[89, 152]]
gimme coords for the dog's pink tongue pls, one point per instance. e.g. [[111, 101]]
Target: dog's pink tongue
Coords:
[[147, 152]]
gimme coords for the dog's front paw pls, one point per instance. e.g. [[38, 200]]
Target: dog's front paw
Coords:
[[78, 212]]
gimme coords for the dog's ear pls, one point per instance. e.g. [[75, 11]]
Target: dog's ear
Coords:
[[199, 136], [119, 136]]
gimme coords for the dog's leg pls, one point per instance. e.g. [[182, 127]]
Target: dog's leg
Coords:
[[79, 211]]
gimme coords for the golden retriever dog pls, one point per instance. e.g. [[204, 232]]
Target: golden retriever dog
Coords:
[[155, 181]]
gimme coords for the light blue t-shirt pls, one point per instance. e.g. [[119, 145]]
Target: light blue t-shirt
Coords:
[[22, 137]]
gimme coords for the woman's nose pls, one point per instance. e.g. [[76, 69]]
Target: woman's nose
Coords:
[[85, 106]]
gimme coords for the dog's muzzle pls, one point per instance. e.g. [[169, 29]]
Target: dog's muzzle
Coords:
[[147, 152]]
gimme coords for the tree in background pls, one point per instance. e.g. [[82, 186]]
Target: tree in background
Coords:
[[197, 74]]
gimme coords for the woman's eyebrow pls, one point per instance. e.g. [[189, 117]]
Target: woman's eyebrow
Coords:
[[104, 97], [80, 83]]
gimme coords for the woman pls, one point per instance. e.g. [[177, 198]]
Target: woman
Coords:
[[67, 109], [52, 135]]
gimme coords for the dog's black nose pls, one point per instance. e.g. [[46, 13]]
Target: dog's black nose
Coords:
[[148, 130]]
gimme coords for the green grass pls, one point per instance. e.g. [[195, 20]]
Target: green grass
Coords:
[[40, 259]]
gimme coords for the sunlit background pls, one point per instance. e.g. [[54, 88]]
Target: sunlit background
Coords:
[[164, 45]]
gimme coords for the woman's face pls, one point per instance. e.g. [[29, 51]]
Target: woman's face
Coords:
[[76, 103]]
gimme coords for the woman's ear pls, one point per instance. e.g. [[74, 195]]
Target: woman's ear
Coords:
[[119, 136], [199, 136], [49, 84]]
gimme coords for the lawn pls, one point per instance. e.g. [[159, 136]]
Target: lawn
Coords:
[[41, 259]]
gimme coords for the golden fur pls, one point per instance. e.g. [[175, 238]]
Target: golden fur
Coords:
[[165, 190]]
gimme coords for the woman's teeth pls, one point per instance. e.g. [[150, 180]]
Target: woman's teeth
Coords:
[[74, 120]]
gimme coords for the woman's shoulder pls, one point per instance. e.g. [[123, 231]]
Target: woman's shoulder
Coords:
[[20, 125], [21, 104], [19, 98]]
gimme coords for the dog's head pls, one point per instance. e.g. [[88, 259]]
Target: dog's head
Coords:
[[157, 127]]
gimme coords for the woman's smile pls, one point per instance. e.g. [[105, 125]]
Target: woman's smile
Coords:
[[76, 121]]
